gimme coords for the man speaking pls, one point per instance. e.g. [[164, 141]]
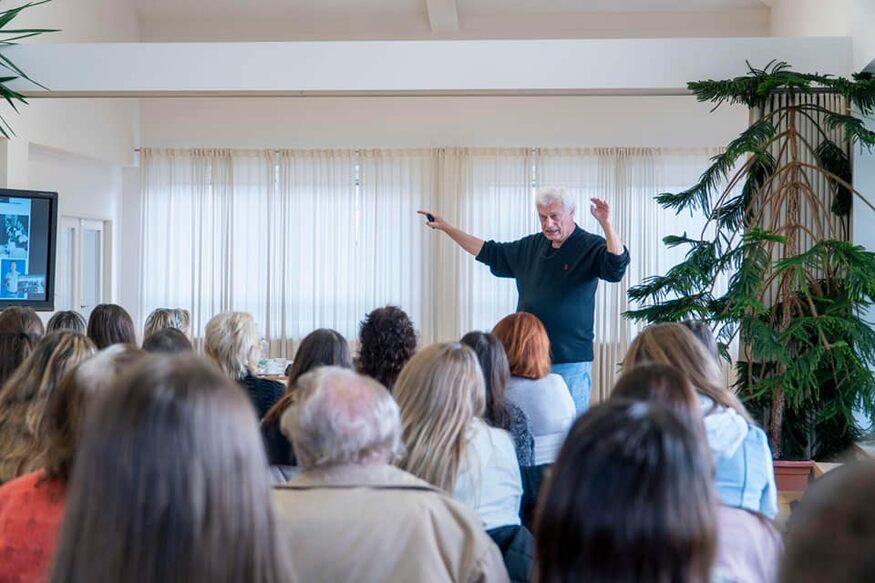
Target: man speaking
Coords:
[[556, 273]]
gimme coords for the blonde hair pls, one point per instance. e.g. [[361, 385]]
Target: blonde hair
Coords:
[[675, 345], [231, 340], [167, 318], [439, 391], [24, 396]]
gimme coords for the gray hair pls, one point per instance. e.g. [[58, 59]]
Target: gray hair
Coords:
[[231, 340], [550, 194], [342, 417]]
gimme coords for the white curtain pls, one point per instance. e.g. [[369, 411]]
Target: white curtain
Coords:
[[304, 239]]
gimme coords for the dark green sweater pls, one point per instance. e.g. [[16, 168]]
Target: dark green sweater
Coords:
[[558, 285]]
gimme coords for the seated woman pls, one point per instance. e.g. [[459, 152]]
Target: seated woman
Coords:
[[442, 397], [162, 318], [542, 395], [111, 324], [749, 547], [32, 506], [500, 412], [321, 347], [170, 484], [232, 341], [24, 396], [167, 341], [387, 340], [630, 499], [67, 320], [745, 476], [20, 330]]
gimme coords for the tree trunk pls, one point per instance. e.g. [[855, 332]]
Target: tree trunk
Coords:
[[776, 420]]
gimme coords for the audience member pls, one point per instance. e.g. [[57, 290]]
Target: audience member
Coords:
[[740, 450], [321, 347], [748, 545], [500, 412], [630, 499], [232, 342], [167, 341], [23, 400], [111, 324], [442, 396], [701, 331], [163, 318], [387, 341], [171, 484], [542, 395], [20, 330], [831, 533], [32, 506], [351, 515], [67, 320]]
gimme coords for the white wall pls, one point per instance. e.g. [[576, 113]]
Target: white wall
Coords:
[[677, 121]]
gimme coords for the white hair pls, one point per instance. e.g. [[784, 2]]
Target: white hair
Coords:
[[550, 194], [341, 417], [231, 340]]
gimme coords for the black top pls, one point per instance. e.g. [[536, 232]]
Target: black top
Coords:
[[279, 450], [262, 392], [523, 441], [558, 285]]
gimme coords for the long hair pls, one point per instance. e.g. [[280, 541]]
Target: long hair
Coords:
[[231, 340], [663, 384], [439, 392], [67, 407], [630, 499], [67, 320], [675, 345], [322, 347], [24, 396], [496, 373], [171, 484], [111, 324], [162, 318], [387, 341], [526, 344], [20, 330]]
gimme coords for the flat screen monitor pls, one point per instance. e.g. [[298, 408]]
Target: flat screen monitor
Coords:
[[28, 231]]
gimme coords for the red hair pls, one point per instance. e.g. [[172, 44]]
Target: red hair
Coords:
[[526, 343]]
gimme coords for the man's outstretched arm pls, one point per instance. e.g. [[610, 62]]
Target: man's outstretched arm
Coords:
[[469, 243], [601, 211]]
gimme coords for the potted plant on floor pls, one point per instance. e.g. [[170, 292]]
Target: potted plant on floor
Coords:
[[777, 203]]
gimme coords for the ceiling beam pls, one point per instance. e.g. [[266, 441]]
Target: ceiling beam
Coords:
[[443, 15]]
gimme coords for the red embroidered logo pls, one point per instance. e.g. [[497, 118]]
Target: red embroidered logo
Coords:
[[565, 267]]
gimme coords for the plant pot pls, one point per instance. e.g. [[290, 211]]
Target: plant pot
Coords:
[[793, 476]]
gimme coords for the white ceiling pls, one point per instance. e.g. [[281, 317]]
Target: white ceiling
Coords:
[[253, 20]]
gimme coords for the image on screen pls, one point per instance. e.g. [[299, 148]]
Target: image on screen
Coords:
[[24, 248]]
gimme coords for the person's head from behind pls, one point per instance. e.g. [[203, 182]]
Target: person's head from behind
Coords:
[[341, 417], [705, 335], [526, 343], [162, 318], [439, 392], [496, 372], [556, 213], [232, 341], [831, 533], [68, 406], [111, 324], [20, 330], [630, 499], [387, 341], [67, 320], [675, 345], [24, 396], [170, 483], [660, 383], [167, 341]]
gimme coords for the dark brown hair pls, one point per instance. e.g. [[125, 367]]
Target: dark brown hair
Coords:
[[630, 499], [168, 341], [111, 324], [496, 373], [20, 330], [67, 407], [67, 320], [526, 344], [387, 341], [171, 484], [664, 384]]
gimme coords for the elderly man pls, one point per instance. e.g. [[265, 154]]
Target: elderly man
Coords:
[[556, 272], [351, 515]]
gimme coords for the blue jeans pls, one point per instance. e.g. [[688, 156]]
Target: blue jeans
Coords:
[[578, 377]]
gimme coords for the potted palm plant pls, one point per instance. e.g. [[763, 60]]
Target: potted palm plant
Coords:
[[776, 203]]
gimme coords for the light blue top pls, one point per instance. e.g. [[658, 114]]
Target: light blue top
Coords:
[[747, 479]]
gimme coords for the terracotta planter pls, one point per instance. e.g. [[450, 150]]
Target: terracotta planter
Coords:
[[793, 476]]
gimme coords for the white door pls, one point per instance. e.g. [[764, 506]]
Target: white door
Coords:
[[83, 264]]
